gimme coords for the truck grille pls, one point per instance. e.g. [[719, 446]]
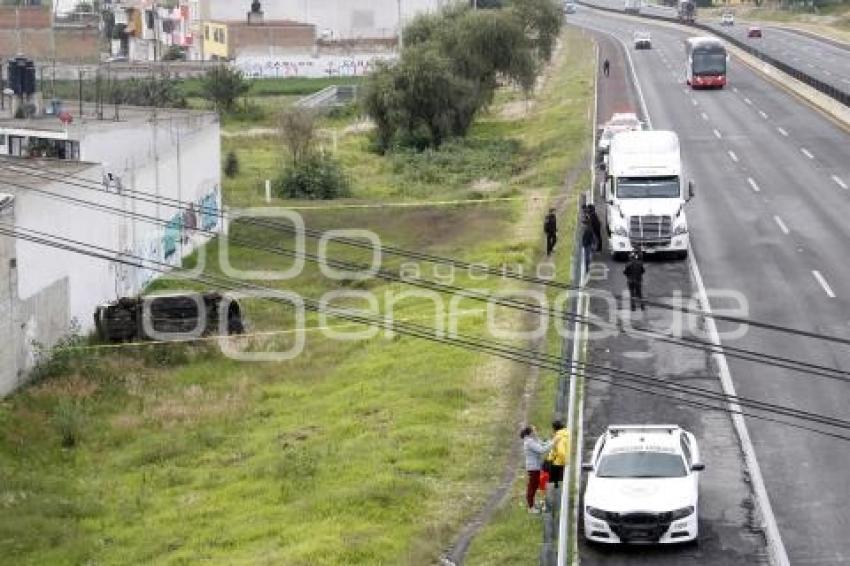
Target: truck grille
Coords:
[[651, 230]]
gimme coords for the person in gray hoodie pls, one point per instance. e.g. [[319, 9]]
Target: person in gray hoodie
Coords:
[[534, 450]]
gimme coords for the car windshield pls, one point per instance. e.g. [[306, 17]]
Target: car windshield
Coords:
[[648, 187], [641, 465], [709, 63]]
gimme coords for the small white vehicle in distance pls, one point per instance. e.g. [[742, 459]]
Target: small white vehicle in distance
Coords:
[[643, 486], [642, 39], [569, 7], [727, 19], [619, 122]]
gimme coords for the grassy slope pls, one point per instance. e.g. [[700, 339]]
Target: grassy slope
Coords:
[[513, 537], [355, 452], [831, 21]]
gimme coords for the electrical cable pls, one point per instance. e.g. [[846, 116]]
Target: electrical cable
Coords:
[[507, 352]]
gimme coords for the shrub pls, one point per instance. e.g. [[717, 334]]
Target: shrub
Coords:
[[223, 86], [68, 420], [231, 165], [314, 177]]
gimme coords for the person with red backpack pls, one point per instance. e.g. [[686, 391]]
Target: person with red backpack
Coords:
[[534, 451]]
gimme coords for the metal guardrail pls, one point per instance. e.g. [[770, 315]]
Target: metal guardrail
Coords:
[[830, 90]]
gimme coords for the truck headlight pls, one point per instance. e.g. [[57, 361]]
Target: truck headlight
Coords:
[[621, 231], [680, 229]]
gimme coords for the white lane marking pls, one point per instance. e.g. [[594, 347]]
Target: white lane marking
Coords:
[[753, 184], [733, 156], [839, 182], [734, 89], [807, 153], [748, 101], [694, 102], [704, 116], [763, 114], [826, 288], [810, 65], [775, 547], [827, 73], [717, 133], [782, 225], [846, 81], [782, 131]]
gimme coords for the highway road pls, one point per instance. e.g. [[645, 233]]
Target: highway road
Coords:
[[769, 222], [826, 61]]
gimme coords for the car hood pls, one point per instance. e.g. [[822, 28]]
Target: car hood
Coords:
[[650, 206], [624, 495]]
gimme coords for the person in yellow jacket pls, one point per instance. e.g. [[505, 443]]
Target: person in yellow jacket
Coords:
[[559, 455]]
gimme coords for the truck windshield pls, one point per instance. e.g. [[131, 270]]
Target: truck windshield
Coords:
[[709, 63], [648, 187], [641, 465]]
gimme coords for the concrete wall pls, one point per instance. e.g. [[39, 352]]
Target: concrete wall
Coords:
[[8, 302], [347, 18], [66, 45], [298, 65]]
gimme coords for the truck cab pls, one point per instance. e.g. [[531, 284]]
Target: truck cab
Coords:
[[645, 194]]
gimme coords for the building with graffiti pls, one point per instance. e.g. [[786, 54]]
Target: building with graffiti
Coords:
[[146, 185]]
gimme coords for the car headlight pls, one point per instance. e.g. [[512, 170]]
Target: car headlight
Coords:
[[681, 513], [680, 229], [621, 231], [597, 513]]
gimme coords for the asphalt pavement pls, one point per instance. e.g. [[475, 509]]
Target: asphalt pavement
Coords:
[[768, 223]]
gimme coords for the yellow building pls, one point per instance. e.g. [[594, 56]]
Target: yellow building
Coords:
[[215, 38]]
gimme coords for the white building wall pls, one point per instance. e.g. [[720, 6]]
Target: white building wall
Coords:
[[346, 18]]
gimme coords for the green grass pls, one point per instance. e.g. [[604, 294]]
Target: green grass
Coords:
[[514, 536], [359, 452]]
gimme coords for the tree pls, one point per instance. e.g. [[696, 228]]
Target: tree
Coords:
[[542, 21], [223, 86], [297, 129]]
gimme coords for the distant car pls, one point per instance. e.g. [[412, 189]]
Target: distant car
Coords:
[[753, 31], [569, 8], [727, 19], [619, 122], [643, 40], [643, 486]]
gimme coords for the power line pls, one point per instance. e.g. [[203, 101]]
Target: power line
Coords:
[[472, 267], [494, 348], [689, 342]]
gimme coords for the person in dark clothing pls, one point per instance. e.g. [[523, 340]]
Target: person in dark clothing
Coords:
[[588, 241], [550, 228], [634, 277], [595, 225], [606, 67]]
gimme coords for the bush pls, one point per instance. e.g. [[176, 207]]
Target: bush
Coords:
[[68, 421], [223, 86], [231, 165], [314, 177]]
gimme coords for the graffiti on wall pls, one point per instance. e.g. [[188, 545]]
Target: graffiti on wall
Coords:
[[311, 67]]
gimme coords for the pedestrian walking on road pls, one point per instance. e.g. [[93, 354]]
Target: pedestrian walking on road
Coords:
[[606, 67], [588, 242], [557, 457], [634, 277], [534, 451], [595, 225], [550, 228]]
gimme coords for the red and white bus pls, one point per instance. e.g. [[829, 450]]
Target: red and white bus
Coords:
[[706, 62]]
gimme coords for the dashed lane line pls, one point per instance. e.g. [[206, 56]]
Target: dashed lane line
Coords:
[[717, 133], [748, 101], [763, 114], [753, 184], [704, 116], [822, 280], [782, 225], [807, 153], [839, 182], [733, 156], [782, 131]]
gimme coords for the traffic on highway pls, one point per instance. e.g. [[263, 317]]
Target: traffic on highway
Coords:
[[765, 229]]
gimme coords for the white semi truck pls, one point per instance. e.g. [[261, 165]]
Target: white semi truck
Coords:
[[632, 6], [645, 194]]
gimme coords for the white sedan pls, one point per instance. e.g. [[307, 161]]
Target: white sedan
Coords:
[[643, 486], [642, 40]]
